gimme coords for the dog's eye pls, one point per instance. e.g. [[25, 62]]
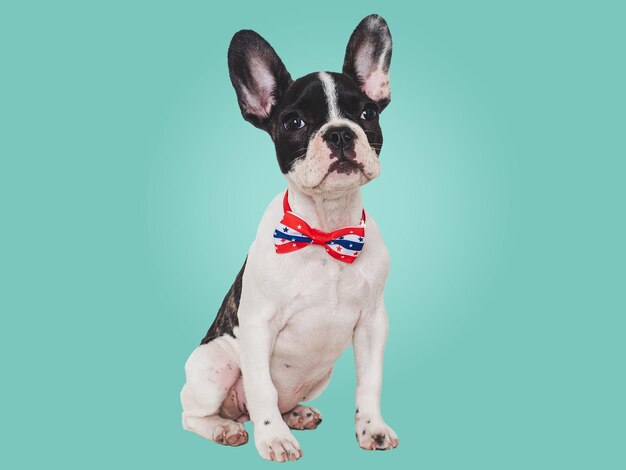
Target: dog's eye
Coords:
[[293, 123], [369, 113]]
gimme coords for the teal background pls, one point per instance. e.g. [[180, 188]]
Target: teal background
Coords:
[[130, 190]]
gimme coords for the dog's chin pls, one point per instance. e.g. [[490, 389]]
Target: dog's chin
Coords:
[[340, 176]]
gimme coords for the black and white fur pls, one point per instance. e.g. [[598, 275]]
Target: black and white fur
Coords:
[[288, 317]]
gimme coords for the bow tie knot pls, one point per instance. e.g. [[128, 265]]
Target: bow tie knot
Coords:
[[294, 233]]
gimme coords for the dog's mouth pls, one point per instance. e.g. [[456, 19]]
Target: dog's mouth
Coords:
[[344, 166]]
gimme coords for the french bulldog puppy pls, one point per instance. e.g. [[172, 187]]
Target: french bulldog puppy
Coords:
[[313, 280]]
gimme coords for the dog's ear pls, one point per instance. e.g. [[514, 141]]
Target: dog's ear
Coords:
[[258, 75], [368, 56]]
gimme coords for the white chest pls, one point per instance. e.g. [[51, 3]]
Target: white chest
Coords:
[[321, 303]]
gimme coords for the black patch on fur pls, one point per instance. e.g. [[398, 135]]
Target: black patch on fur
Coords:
[[226, 319], [379, 439], [266, 422]]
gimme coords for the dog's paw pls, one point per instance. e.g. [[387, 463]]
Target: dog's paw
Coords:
[[374, 434], [276, 443], [303, 417], [230, 434]]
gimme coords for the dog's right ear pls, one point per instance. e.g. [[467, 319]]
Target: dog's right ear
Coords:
[[258, 75]]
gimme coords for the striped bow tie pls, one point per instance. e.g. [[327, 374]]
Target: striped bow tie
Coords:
[[294, 233]]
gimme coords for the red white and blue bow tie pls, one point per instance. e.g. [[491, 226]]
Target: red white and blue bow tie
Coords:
[[294, 233]]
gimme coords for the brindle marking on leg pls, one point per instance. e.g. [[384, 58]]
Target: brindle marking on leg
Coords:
[[226, 319]]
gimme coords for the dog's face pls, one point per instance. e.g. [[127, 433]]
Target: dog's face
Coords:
[[324, 125]]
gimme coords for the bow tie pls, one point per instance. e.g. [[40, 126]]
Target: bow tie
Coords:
[[294, 233]]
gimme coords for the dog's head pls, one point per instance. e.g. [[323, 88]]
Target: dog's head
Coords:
[[324, 125]]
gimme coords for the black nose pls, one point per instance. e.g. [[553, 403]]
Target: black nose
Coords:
[[339, 138]]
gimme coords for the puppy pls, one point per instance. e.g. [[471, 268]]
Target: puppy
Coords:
[[313, 280]]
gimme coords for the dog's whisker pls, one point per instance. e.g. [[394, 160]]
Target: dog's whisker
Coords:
[[299, 150]]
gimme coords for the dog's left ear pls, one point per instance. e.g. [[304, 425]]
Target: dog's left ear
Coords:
[[368, 56]]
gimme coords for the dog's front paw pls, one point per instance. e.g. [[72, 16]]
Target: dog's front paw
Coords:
[[372, 434], [274, 441]]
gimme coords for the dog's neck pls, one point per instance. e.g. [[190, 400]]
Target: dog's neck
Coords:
[[327, 212]]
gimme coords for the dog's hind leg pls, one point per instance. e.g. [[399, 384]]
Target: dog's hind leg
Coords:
[[211, 372], [306, 417], [303, 417]]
